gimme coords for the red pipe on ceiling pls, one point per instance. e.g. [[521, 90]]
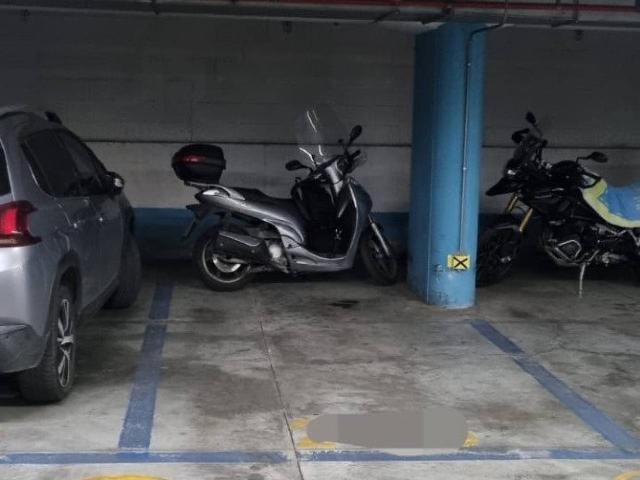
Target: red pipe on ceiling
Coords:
[[465, 4]]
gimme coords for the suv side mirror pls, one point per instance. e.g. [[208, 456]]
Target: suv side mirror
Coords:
[[531, 118], [355, 133], [115, 183], [294, 165]]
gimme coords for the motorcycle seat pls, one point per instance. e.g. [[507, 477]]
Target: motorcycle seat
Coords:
[[619, 206], [256, 196]]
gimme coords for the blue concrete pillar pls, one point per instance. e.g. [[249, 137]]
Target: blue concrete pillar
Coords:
[[443, 218]]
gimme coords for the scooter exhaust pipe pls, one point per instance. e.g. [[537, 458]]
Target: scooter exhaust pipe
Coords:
[[243, 247]]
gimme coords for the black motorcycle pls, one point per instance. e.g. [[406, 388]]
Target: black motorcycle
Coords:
[[584, 220]]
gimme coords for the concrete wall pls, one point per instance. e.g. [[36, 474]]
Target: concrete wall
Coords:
[[138, 87], [584, 92], [158, 82]]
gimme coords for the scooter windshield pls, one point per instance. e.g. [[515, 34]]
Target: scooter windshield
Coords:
[[319, 132]]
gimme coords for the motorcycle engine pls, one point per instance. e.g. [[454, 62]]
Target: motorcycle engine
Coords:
[[570, 247], [566, 245]]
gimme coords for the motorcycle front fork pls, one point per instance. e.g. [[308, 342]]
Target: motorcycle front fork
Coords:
[[513, 202], [378, 233]]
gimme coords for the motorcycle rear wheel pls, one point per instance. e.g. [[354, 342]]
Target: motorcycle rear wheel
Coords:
[[216, 271], [497, 250]]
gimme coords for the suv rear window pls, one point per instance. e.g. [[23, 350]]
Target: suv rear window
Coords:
[[4, 175]]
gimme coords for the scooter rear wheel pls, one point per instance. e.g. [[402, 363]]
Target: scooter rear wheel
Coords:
[[215, 268]]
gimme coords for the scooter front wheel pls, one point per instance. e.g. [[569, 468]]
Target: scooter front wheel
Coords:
[[382, 267], [217, 270]]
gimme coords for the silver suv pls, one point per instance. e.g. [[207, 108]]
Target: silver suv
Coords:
[[66, 249]]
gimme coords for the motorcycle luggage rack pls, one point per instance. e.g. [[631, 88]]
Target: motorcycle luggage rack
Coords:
[[198, 185]]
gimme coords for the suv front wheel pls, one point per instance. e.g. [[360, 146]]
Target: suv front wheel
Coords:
[[53, 378]]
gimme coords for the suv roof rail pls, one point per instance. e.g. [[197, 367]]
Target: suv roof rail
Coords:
[[18, 109]]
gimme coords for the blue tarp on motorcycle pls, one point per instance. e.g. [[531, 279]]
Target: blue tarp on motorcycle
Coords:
[[617, 205]]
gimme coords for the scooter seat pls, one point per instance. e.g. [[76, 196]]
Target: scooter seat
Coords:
[[256, 196], [619, 206]]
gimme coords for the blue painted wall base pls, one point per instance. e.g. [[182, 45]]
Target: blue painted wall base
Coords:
[[159, 231], [441, 221]]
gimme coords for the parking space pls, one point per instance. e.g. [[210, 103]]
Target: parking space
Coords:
[[92, 420], [221, 386], [272, 212]]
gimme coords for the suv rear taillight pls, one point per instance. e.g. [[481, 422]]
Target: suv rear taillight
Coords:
[[14, 224], [193, 158]]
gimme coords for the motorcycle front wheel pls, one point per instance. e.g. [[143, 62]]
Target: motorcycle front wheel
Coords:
[[382, 268], [497, 250], [217, 270]]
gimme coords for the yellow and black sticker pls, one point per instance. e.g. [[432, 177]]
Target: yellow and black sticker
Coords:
[[459, 261]]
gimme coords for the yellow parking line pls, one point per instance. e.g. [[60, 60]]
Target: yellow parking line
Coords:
[[628, 475], [299, 424], [307, 444], [470, 441]]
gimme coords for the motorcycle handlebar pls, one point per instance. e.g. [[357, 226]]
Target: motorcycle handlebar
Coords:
[[323, 166], [319, 170]]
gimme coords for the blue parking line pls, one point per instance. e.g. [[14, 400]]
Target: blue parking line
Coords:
[[467, 455], [86, 458], [138, 422], [161, 303], [586, 411], [278, 457]]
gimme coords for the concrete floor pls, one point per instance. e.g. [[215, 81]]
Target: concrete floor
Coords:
[[541, 376]]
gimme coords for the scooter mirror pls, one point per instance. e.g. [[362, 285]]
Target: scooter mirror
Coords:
[[598, 157], [355, 133], [294, 165], [531, 118]]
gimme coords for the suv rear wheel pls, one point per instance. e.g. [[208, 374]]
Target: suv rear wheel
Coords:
[[130, 277], [53, 378]]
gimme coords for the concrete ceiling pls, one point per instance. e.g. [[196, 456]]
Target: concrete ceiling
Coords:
[[574, 14]]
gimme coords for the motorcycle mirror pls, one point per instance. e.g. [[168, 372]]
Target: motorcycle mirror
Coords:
[[597, 157], [294, 165], [531, 118], [518, 136], [355, 133]]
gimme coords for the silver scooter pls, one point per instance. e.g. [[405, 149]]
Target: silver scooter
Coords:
[[321, 228]]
